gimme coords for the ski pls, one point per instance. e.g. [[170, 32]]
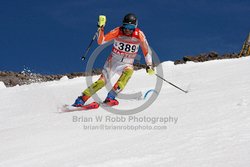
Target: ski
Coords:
[[91, 106], [109, 103], [69, 108]]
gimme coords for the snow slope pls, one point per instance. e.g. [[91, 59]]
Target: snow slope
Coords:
[[208, 127]]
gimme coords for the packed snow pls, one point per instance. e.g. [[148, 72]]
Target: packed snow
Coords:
[[2, 85], [207, 127]]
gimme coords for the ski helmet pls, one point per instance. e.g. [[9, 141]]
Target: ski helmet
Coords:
[[130, 19]]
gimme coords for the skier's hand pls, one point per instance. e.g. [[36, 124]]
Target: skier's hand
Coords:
[[101, 21], [150, 70]]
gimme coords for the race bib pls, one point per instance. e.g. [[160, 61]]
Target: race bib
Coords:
[[126, 47]]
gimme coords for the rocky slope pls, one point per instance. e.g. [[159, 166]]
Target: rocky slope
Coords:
[[20, 78], [11, 79]]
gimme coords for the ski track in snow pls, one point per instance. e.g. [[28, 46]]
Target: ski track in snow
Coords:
[[212, 129]]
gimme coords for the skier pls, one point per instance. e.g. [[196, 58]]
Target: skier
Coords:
[[127, 39]]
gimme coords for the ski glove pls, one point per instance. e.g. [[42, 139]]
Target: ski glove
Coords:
[[150, 70], [101, 21]]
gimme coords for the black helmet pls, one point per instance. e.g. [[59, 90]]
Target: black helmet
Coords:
[[130, 19]]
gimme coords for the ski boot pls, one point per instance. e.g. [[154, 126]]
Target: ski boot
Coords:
[[110, 99], [80, 101], [110, 102]]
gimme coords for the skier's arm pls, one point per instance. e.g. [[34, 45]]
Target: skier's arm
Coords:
[[147, 53], [145, 49], [108, 37]]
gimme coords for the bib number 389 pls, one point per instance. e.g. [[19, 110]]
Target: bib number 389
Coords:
[[126, 47]]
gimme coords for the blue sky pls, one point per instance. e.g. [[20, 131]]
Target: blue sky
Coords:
[[51, 36]]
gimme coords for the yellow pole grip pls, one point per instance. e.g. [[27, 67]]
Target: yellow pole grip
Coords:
[[102, 20]]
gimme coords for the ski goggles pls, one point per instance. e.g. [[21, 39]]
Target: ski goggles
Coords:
[[129, 26]]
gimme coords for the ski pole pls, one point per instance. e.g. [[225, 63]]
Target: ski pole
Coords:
[[101, 23], [87, 50], [171, 84]]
